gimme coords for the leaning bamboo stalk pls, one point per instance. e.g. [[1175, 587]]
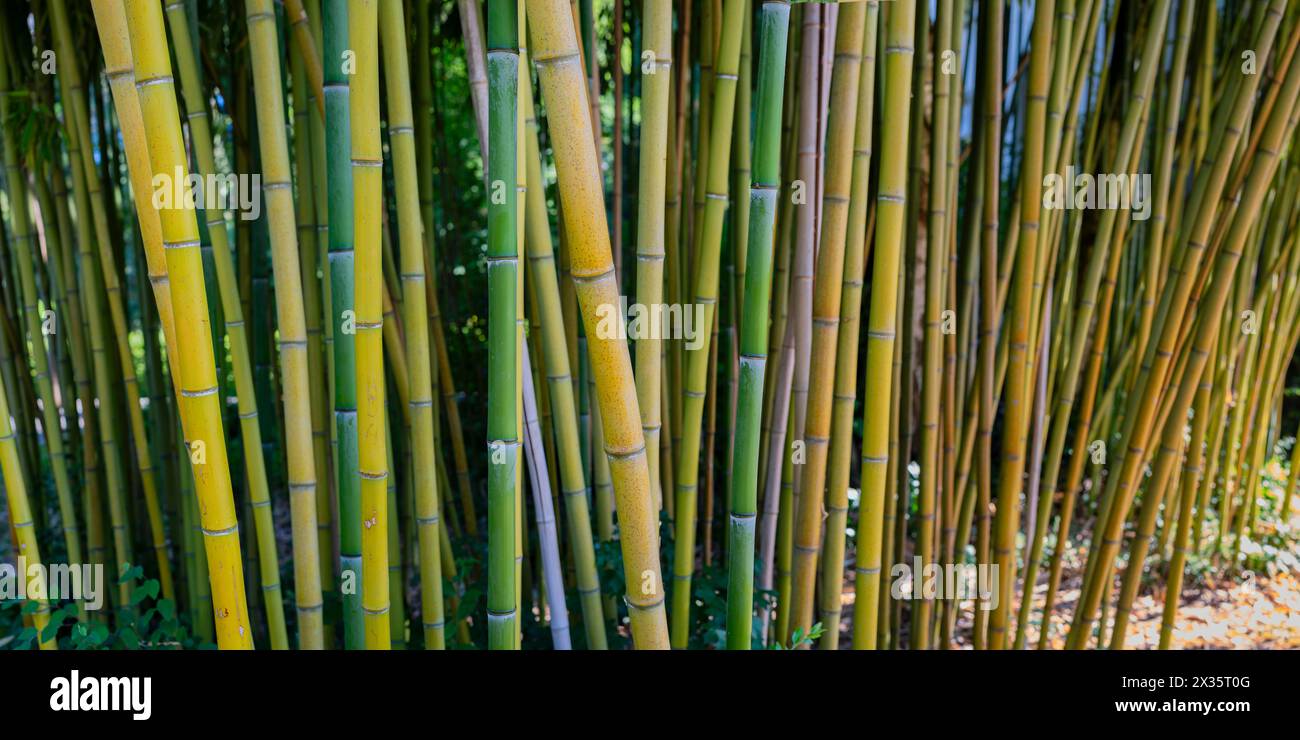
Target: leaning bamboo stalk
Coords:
[[194, 342], [1192, 468], [1183, 386], [471, 24], [255, 467], [114, 39], [556, 56], [1193, 238], [559, 381], [306, 48]]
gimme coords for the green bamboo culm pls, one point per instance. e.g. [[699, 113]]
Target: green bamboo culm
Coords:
[[338, 173], [503, 268], [706, 293], [773, 35]]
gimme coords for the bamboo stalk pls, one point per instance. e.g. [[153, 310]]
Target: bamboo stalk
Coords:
[[881, 331], [503, 264], [193, 336], [556, 55]]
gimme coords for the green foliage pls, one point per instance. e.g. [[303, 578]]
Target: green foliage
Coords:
[[799, 639], [149, 623], [709, 593]]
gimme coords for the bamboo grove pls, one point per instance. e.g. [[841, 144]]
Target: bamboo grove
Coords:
[[595, 324]]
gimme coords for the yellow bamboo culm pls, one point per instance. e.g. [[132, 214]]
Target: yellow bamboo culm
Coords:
[[196, 118], [555, 53], [368, 208], [401, 140], [291, 321], [200, 404], [110, 20], [826, 311]]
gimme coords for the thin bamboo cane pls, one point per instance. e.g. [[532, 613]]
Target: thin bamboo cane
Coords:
[[932, 366], [306, 48], [101, 448], [1191, 479], [471, 24], [991, 77], [309, 141]]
